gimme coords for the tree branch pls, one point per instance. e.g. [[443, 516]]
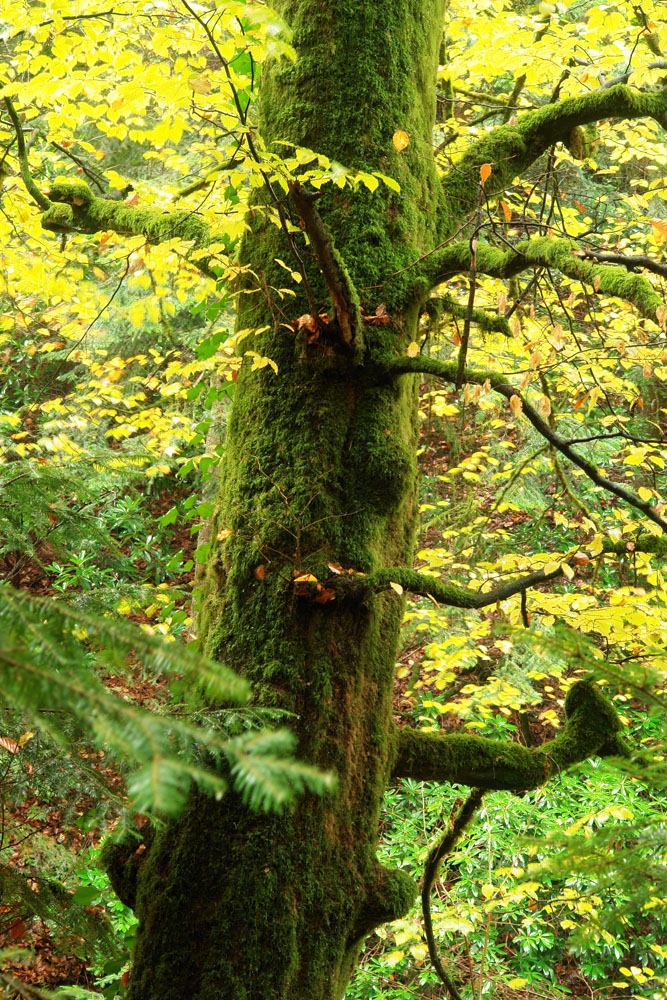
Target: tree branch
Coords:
[[592, 728], [446, 370], [454, 596], [631, 263], [510, 149], [564, 255], [486, 321], [339, 283], [74, 208], [460, 819], [24, 165]]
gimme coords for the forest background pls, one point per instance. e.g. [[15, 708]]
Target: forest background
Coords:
[[119, 361]]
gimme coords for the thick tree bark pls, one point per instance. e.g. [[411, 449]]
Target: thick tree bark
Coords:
[[319, 468]]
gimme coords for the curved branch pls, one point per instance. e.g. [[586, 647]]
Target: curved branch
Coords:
[[457, 824], [338, 281], [454, 596], [31, 187], [510, 149], [564, 255], [486, 321], [592, 728], [446, 370]]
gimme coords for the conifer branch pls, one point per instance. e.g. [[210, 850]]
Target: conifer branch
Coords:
[[446, 370], [592, 728]]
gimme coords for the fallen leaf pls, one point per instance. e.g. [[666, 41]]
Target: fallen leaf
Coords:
[[260, 572], [9, 744], [396, 586], [413, 349]]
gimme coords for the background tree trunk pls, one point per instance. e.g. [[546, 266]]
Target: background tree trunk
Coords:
[[319, 468]]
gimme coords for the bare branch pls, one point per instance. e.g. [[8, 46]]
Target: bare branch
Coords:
[[460, 819], [592, 728], [446, 370], [339, 283]]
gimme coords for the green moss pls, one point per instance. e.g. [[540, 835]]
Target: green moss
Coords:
[[581, 141], [592, 728], [77, 208], [123, 859], [68, 190], [58, 218]]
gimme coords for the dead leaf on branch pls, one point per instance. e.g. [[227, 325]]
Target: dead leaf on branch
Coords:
[[379, 317]]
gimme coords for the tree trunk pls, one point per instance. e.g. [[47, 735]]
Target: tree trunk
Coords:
[[319, 468]]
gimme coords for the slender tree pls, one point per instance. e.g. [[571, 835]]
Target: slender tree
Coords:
[[313, 532]]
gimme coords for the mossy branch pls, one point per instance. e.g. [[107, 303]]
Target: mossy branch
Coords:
[[207, 179], [511, 149], [342, 291], [563, 255], [74, 208], [447, 371], [38, 196], [454, 596], [484, 320], [592, 728]]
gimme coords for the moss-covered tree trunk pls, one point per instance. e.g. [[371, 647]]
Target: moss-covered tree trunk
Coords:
[[318, 484], [319, 468]]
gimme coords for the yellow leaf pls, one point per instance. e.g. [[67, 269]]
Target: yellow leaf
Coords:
[[567, 570], [507, 211], [484, 172], [397, 587], [200, 84], [659, 227], [645, 493], [517, 983], [400, 139], [123, 607], [305, 578], [516, 405], [413, 349]]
